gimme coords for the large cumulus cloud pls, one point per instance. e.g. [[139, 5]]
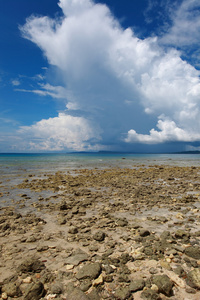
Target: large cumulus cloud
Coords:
[[120, 85]]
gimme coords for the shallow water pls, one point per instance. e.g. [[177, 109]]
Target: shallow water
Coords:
[[18, 163]]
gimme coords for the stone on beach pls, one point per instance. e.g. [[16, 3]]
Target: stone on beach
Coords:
[[193, 251], [77, 257], [34, 292], [193, 278], [91, 270], [164, 284], [99, 236], [31, 265]]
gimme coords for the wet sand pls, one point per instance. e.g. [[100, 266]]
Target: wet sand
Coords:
[[114, 233]]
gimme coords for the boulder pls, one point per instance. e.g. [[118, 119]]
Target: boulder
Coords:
[[75, 294], [122, 293], [34, 292], [193, 278], [91, 271], [77, 257], [193, 251], [11, 289], [150, 294], [31, 265], [137, 285], [164, 284]]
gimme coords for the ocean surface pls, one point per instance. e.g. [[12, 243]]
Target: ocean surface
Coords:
[[18, 163]]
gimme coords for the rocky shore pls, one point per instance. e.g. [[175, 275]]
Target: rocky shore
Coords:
[[101, 234]]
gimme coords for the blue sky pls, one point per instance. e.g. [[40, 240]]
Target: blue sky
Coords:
[[84, 75]]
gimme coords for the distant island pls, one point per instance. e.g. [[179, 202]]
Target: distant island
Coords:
[[121, 152]]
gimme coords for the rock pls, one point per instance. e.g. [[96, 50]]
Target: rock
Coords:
[[4, 296], [150, 294], [136, 225], [31, 265], [161, 219], [122, 293], [179, 248], [165, 235], [10, 279], [99, 236], [153, 271], [165, 265], [123, 278], [193, 278], [42, 248], [148, 250], [63, 205], [181, 234], [77, 294], [27, 279], [34, 292], [108, 269], [46, 276], [85, 285], [194, 263], [5, 227], [176, 279], [93, 248], [31, 239], [11, 289], [144, 232], [163, 283], [193, 251], [74, 210], [122, 222], [190, 290], [154, 288], [93, 295], [98, 281], [91, 271], [125, 257], [108, 278], [73, 230], [69, 267], [137, 285], [77, 257], [179, 271], [62, 221], [69, 287], [56, 288]]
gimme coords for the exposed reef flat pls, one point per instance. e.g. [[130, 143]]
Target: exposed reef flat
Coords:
[[101, 234]]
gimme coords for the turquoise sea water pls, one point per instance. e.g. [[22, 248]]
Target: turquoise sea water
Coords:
[[54, 162]]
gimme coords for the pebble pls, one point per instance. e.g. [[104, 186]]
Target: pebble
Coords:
[[27, 280], [4, 296]]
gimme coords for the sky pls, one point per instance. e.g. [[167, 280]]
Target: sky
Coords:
[[90, 75]]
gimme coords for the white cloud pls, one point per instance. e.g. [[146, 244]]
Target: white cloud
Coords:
[[16, 82], [168, 131], [57, 92], [114, 80], [62, 132], [186, 25], [7, 120], [171, 86]]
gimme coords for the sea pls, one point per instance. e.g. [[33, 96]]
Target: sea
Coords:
[[52, 162]]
